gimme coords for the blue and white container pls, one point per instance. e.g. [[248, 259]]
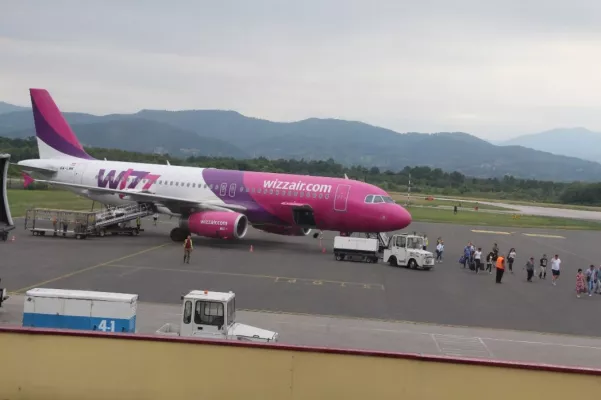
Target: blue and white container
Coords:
[[80, 310]]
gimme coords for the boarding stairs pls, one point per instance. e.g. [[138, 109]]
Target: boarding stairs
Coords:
[[118, 215]]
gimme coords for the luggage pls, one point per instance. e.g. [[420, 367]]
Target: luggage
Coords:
[[472, 266]]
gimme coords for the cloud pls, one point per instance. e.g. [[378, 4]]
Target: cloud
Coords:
[[495, 68]]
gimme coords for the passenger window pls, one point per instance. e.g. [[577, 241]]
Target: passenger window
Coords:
[[241, 189], [258, 190], [369, 198], [277, 192], [302, 194], [188, 312], [188, 184], [327, 196], [270, 191], [171, 183], [176, 183], [314, 195], [320, 195], [378, 199]]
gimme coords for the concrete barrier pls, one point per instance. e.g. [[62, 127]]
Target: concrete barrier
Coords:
[[52, 364]]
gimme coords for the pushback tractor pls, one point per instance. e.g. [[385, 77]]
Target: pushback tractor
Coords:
[[212, 315]]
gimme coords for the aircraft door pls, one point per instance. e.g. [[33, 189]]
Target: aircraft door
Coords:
[[78, 172], [341, 198]]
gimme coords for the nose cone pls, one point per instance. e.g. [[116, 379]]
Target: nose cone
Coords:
[[401, 218]]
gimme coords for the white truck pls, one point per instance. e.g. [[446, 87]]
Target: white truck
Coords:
[[349, 247], [405, 250], [211, 315]]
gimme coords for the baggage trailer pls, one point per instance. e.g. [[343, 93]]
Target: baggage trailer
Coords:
[[80, 310], [6, 220], [55, 222], [350, 248]]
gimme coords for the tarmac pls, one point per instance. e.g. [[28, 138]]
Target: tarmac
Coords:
[[289, 285]]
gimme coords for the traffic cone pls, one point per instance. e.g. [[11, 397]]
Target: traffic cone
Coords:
[[12, 239], [323, 249], [251, 248]]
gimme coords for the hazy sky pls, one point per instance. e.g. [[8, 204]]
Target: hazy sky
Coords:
[[492, 68]]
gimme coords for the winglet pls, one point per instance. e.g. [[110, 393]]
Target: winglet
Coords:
[[27, 180], [345, 176]]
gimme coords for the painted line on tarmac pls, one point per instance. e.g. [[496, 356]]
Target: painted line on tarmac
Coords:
[[491, 232], [276, 279], [70, 274], [542, 235], [400, 321]]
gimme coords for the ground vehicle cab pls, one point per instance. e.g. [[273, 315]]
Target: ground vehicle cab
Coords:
[[407, 250]]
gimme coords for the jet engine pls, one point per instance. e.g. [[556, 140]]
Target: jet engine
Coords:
[[216, 224], [285, 230]]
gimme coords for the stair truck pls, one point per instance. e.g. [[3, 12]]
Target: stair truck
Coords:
[[352, 248], [212, 315], [405, 250]]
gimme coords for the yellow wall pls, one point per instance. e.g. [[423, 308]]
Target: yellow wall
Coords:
[[61, 366]]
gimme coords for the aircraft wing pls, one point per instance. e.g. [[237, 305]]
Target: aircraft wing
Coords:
[[27, 168], [176, 204]]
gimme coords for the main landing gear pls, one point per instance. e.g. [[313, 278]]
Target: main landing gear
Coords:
[[179, 234]]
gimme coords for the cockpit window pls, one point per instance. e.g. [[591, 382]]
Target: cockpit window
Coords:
[[388, 199], [378, 199], [369, 198]]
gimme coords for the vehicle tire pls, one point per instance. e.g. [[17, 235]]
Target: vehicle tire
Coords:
[[78, 236], [412, 264], [374, 260], [136, 232], [368, 260], [338, 257], [102, 233], [427, 268], [392, 261]]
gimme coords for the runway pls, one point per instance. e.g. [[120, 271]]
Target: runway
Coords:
[[292, 275]]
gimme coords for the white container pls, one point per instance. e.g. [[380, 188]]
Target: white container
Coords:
[[81, 310]]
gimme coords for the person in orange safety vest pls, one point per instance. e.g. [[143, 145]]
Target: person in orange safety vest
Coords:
[[500, 268], [188, 246]]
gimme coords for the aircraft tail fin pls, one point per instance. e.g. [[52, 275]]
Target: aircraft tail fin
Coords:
[[55, 137]]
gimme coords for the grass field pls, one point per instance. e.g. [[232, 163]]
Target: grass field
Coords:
[[472, 200], [422, 214], [421, 201], [21, 200]]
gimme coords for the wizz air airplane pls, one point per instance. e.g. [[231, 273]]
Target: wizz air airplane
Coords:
[[209, 202]]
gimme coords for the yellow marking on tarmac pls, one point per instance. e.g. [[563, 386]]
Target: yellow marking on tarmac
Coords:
[[70, 274], [276, 279], [493, 232], [544, 235]]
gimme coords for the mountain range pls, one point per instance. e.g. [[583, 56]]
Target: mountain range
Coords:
[[230, 134], [574, 142]]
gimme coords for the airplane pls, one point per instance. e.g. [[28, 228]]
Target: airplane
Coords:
[[209, 202]]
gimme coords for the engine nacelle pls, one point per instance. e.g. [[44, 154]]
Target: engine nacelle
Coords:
[[216, 224], [285, 230]]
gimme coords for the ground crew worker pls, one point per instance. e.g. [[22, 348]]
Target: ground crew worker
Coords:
[[55, 224], [155, 217], [500, 268], [188, 249], [138, 223]]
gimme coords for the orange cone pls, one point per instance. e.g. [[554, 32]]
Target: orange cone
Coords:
[[323, 249]]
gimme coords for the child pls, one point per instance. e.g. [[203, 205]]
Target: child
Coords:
[[489, 258], [580, 285], [543, 267]]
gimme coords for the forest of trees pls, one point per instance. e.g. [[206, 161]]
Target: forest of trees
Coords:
[[423, 179]]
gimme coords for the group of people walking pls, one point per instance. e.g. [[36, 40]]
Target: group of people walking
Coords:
[[472, 258]]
